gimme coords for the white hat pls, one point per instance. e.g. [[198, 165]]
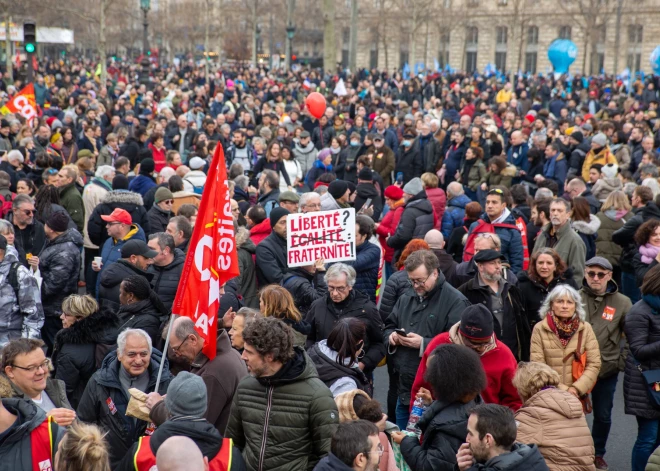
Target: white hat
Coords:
[[196, 163], [610, 170]]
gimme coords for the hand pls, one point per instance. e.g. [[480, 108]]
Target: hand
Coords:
[[153, 398], [538, 178], [376, 225], [395, 339], [368, 211], [484, 187], [425, 395], [319, 265], [411, 340], [63, 417], [176, 138], [464, 458], [457, 177], [95, 266], [252, 189], [361, 366], [397, 437], [574, 391], [522, 173], [33, 261], [657, 257]]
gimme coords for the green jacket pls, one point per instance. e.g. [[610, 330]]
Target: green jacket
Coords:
[[569, 246], [476, 175], [606, 313], [72, 201], [654, 461], [604, 245], [284, 422]]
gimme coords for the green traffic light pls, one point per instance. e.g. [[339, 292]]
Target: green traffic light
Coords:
[[29, 47]]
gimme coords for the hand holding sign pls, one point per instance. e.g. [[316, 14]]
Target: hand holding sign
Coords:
[[327, 235]]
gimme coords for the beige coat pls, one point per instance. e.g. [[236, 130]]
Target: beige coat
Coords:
[[546, 348], [553, 420]]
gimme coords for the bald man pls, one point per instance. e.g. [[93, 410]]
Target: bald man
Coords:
[[517, 154], [577, 187], [436, 242], [180, 454]]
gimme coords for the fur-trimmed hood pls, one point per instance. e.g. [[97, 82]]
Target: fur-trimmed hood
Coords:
[[99, 327], [123, 196], [588, 228]]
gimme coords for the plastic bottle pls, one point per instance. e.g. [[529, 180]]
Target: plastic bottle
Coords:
[[417, 410]]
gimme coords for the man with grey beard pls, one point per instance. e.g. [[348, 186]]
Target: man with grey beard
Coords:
[[503, 299]]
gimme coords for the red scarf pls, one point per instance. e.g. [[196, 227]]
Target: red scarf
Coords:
[[565, 329]]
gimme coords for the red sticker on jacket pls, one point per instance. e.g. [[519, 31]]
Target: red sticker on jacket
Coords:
[[111, 405], [608, 313]]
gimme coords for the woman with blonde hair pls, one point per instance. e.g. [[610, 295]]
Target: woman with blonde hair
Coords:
[[614, 213], [562, 336], [83, 448], [276, 301], [552, 419]]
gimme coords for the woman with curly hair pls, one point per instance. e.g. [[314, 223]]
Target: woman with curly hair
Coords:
[[546, 270], [444, 423], [647, 238], [276, 301]]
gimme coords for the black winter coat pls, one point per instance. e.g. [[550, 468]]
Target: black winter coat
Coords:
[[305, 288], [158, 219], [59, 262], [77, 350], [30, 240], [514, 331], [410, 162], [122, 431], [142, 315], [366, 264], [416, 220], [324, 314], [427, 317], [111, 278], [247, 280], [165, 279], [396, 286], [533, 292], [330, 371], [625, 237], [271, 260], [131, 150], [123, 199], [365, 191], [444, 427], [521, 458], [465, 271], [642, 328]]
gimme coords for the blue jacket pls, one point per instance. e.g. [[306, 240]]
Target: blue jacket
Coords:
[[517, 155], [556, 169], [366, 264], [111, 250], [141, 184], [512, 247], [454, 214]]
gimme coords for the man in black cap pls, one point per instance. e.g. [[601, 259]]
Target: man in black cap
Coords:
[[5, 142], [503, 299], [59, 263], [271, 252], [136, 256], [577, 148], [339, 190], [366, 190]]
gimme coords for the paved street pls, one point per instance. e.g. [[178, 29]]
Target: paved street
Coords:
[[622, 435]]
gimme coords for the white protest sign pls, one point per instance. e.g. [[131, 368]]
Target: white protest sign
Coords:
[[329, 235]]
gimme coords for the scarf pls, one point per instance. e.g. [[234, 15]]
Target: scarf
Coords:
[[565, 329], [467, 166], [649, 252], [653, 300], [549, 167]]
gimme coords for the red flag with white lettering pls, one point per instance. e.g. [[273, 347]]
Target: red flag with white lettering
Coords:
[[212, 258]]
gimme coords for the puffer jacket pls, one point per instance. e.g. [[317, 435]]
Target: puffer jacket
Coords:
[[625, 237], [444, 427], [610, 222], [305, 287], [194, 181], [534, 292], [512, 246], [247, 280], [654, 461], [588, 231], [158, 219], [165, 279], [410, 162], [388, 226], [642, 329], [608, 331], [338, 377], [504, 178], [368, 191], [603, 157], [454, 214], [366, 264], [22, 317], [604, 186], [110, 279], [547, 349], [475, 175], [438, 200], [417, 219], [284, 422], [122, 199], [142, 315], [520, 458], [306, 156], [122, 431], [142, 184], [324, 313], [77, 351], [553, 420], [271, 259], [396, 286], [59, 262]]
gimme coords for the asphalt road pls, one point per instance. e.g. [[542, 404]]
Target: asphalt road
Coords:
[[622, 435]]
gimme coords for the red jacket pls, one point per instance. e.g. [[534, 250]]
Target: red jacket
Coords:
[[159, 157], [438, 200], [499, 364], [387, 228], [260, 231]]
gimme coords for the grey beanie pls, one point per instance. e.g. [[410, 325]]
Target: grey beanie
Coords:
[[186, 396], [599, 139], [413, 187]]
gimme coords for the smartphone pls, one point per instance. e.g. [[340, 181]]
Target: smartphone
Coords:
[[399, 177], [401, 332], [365, 205]]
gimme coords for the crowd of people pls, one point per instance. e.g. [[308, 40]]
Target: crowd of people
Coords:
[[507, 238]]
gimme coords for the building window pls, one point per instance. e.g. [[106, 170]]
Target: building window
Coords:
[[602, 34], [471, 62], [532, 35], [403, 49], [530, 62], [500, 61], [634, 61], [472, 35], [443, 54], [373, 53], [502, 34], [565, 32], [635, 34]]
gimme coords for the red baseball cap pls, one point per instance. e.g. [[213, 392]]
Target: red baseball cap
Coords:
[[119, 215]]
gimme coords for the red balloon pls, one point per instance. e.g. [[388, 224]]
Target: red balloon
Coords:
[[315, 104]]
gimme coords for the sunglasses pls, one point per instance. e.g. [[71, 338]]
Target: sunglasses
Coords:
[[597, 274], [496, 190], [29, 212]]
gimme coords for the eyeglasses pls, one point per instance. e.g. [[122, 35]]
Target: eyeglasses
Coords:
[[313, 205], [29, 212], [168, 201], [235, 210], [338, 289], [33, 369], [597, 274], [379, 450], [176, 349], [479, 347], [414, 283]]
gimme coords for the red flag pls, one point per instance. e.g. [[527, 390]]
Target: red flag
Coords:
[[23, 103], [212, 258]]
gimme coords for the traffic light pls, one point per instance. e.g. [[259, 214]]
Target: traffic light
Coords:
[[30, 37]]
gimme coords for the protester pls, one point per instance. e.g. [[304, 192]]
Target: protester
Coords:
[[367, 257], [30, 235], [166, 267], [238, 323], [161, 212], [614, 213], [355, 446], [271, 260], [141, 308]]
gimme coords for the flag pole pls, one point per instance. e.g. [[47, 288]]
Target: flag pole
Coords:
[[167, 344]]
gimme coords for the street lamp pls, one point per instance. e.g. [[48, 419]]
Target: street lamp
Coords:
[[290, 33], [145, 6]]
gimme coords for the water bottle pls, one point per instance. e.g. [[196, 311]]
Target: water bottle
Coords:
[[417, 411]]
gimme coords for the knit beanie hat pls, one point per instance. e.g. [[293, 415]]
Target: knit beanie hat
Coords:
[[186, 396], [120, 182], [338, 188], [58, 221], [276, 214], [610, 170], [413, 187], [147, 167], [393, 192], [162, 194]]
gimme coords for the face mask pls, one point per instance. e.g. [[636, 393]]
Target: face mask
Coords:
[[406, 143], [354, 144]]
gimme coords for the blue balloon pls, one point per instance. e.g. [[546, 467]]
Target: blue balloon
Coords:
[[655, 60], [562, 53]]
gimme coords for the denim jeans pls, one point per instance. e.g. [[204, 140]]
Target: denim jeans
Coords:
[[629, 287], [647, 438], [602, 398], [403, 413], [389, 271]]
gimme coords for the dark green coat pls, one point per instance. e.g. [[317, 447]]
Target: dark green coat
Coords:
[[292, 415], [71, 200]]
